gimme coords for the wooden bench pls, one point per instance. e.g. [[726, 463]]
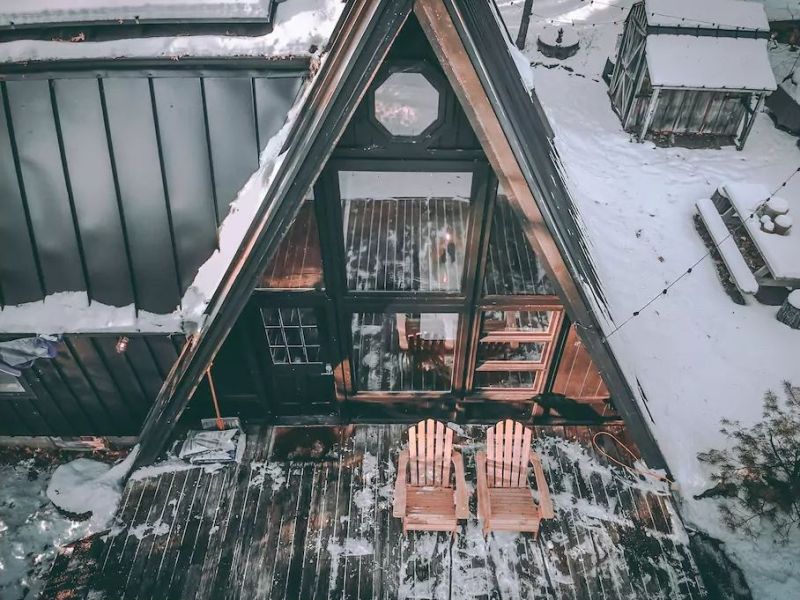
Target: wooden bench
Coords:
[[725, 244]]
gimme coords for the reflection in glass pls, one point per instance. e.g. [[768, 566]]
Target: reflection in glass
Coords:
[[406, 104], [506, 379], [513, 347], [297, 262], [512, 266], [405, 231], [403, 352]]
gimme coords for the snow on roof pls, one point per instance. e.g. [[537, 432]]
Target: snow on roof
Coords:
[[32, 12], [298, 26], [697, 356], [707, 14], [686, 61]]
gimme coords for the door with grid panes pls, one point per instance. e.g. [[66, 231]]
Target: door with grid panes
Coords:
[[301, 355]]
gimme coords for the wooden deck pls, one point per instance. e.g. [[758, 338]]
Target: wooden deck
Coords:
[[308, 515]]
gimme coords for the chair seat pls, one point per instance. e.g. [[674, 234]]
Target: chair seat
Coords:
[[514, 509], [430, 500], [429, 508]]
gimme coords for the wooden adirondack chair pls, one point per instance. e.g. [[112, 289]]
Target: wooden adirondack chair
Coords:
[[505, 501], [427, 494]]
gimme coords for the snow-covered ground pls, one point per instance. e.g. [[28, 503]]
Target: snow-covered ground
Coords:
[[30, 527], [697, 355]]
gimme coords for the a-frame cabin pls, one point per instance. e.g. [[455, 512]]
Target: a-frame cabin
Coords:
[[414, 251], [417, 253]]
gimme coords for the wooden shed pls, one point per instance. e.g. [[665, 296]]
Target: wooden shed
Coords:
[[691, 70]]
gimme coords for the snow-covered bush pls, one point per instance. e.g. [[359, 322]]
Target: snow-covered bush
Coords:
[[760, 474]]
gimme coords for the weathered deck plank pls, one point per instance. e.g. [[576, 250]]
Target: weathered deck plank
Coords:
[[280, 527]]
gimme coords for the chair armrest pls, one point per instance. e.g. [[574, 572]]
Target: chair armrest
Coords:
[[484, 505], [461, 495], [545, 503], [400, 485]]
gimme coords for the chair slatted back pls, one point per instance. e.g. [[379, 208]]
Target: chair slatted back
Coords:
[[430, 449], [508, 450]]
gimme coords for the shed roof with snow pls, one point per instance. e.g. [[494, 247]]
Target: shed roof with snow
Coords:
[[708, 14], [687, 61], [715, 44]]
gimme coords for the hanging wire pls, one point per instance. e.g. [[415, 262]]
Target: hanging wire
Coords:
[[680, 18], [715, 246]]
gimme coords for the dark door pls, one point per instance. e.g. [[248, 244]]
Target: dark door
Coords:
[[300, 355]]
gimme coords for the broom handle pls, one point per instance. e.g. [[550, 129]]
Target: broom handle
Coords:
[[220, 423]]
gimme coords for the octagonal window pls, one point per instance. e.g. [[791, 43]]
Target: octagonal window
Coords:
[[406, 104]]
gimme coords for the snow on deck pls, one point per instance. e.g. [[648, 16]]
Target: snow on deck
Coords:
[[697, 355], [707, 14], [308, 514], [686, 61], [298, 27], [29, 12]]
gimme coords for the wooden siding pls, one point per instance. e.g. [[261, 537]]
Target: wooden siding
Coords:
[[578, 377], [90, 389]]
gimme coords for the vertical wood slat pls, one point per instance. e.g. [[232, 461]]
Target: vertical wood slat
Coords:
[[429, 447], [507, 453], [516, 454], [412, 454], [526, 454], [490, 454], [448, 450], [498, 454], [438, 467]]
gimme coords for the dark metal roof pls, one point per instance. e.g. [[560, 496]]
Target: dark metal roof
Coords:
[[114, 182]]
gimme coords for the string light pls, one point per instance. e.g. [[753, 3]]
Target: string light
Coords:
[[691, 268]]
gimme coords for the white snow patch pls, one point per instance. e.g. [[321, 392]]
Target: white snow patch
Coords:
[[31, 529], [298, 25], [349, 547], [88, 486], [687, 61], [70, 312]]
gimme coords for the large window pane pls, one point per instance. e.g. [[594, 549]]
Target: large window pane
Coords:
[[512, 266], [405, 231], [297, 262], [403, 351]]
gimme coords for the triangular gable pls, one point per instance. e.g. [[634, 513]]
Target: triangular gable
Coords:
[[514, 134]]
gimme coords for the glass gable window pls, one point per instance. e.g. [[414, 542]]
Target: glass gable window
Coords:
[[297, 262], [403, 351], [405, 231], [406, 104], [512, 267]]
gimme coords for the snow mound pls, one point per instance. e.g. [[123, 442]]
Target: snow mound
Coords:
[[84, 486]]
